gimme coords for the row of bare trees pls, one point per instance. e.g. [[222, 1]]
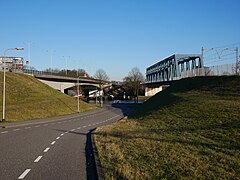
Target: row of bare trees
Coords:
[[131, 83]]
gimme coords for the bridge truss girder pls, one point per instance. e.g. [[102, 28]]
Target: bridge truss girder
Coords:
[[176, 67]]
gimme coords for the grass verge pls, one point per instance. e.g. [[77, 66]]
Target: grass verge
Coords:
[[27, 98], [189, 131]]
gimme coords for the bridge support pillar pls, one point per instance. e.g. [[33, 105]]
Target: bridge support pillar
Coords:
[[151, 91]]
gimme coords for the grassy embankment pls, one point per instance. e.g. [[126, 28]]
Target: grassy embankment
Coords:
[[189, 131], [27, 98]]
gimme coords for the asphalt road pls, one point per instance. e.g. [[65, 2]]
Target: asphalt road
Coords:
[[53, 148]]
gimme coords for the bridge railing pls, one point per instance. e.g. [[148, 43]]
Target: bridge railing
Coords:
[[49, 73], [193, 73], [36, 72]]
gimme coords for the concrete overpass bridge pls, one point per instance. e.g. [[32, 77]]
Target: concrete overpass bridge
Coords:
[[67, 85], [175, 67]]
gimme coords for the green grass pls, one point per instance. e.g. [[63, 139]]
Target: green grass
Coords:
[[27, 98], [189, 131]]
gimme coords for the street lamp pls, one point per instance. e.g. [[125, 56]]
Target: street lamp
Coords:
[[4, 80], [78, 93]]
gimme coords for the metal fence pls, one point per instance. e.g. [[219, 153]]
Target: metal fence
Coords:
[[36, 72], [222, 70], [217, 70]]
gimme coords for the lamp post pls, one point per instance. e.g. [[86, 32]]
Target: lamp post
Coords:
[[78, 93], [4, 80]]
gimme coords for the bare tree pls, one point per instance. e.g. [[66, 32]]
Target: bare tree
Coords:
[[102, 77], [133, 82]]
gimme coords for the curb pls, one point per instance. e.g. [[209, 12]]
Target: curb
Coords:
[[99, 169]]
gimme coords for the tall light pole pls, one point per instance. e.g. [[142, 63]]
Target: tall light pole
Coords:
[[65, 64], [236, 61], [78, 92], [51, 51], [4, 80]]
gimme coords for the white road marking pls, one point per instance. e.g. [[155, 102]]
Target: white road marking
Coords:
[[45, 125], [24, 174], [58, 138], [4, 132], [89, 125], [62, 134], [79, 128], [53, 143], [84, 126], [37, 126], [38, 159], [46, 150], [73, 129], [27, 127], [16, 129]]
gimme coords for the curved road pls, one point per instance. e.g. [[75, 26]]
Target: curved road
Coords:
[[53, 148]]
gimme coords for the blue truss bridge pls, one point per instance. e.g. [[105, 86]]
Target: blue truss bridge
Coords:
[[175, 67], [161, 74]]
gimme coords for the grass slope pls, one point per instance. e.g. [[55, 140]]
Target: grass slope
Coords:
[[27, 98], [189, 131]]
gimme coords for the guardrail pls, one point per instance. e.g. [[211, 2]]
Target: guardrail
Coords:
[[36, 72]]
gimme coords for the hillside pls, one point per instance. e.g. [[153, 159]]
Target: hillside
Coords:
[[189, 131], [27, 98]]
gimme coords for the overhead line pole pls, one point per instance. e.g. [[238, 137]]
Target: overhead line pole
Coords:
[[203, 72], [236, 61]]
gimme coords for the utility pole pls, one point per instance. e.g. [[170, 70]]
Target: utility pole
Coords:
[[236, 61], [203, 69], [78, 93], [29, 51], [96, 95], [29, 43]]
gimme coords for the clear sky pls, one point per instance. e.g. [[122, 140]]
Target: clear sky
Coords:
[[115, 35]]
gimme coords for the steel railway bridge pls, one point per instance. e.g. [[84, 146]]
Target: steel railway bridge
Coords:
[[172, 68]]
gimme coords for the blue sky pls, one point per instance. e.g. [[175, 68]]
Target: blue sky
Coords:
[[115, 35]]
